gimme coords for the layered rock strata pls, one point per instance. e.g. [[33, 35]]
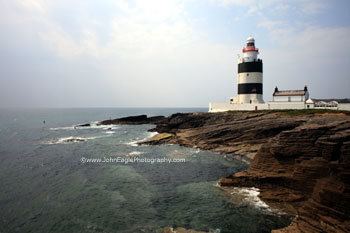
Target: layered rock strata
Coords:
[[300, 160]]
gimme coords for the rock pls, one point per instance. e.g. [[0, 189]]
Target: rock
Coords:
[[311, 162], [300, 159], [74, 140], [133, 120], [158, 138], [84, 125], [180, 230], [229, 132]]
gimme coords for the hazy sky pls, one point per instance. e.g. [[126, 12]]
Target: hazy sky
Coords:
[[166, 53]]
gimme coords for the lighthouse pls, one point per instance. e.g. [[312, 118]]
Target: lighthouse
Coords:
[[250, 89], [250, 75]]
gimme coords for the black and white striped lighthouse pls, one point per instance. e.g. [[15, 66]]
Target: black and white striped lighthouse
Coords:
[[250, 75]]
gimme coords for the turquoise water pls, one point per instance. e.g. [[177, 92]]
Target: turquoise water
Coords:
[[45, 186]]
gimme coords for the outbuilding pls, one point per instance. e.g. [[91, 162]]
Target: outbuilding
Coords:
[[290, 95]]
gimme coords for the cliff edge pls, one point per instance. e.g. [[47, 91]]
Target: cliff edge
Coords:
[[300, 159]]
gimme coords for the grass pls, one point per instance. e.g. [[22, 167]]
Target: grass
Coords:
[[296, 112]]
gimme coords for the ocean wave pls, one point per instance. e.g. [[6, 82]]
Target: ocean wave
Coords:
[[151, 134], [196, 151], [135, 153], [132, 143], [66, 140], [63, 128], [137, 141], [250, 196], [93, 125]]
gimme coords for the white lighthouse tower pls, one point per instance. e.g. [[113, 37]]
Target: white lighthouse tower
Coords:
[[250, 88], [250, 75]]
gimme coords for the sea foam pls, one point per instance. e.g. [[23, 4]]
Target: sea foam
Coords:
[[71, 139], [93, 125], [135, 153], [250, 196], [137, 141]]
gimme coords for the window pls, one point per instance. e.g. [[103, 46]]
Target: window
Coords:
[[289, 98]]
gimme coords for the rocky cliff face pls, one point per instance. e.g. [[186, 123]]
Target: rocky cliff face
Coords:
[[300, 160]]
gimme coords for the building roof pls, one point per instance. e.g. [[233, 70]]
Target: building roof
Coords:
[[290, 92], [343, 101], [250, 39], [309, 101]]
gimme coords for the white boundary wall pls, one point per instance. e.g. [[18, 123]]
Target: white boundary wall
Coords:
[[288, 105], [222, 107], [344, 107]]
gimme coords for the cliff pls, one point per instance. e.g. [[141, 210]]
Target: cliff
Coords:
[[299, 159]]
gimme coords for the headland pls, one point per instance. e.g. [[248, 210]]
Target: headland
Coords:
[[299, 159]]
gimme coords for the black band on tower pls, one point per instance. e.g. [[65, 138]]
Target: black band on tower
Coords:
[[250, 88], [255, 66]]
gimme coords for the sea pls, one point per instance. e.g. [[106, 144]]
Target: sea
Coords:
[[57, 177]]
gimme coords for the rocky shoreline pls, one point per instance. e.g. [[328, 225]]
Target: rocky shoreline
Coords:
[[300, 159]]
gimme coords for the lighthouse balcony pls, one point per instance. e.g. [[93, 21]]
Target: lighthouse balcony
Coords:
[[248, 60], [250, 49]]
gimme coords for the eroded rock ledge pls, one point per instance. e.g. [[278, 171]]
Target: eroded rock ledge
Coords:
[[300, 159]]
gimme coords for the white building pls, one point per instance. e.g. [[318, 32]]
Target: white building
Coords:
[[290, 95], [250, 87], [250, 76], [291, 99]]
